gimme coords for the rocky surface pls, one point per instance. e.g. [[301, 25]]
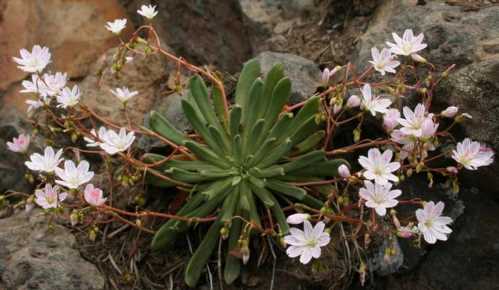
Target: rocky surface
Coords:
[[303, 73], [73, 30], [453, 35], [143, 74], [36, 256]]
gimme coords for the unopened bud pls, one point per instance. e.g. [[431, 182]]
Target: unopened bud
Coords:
[[353, 101], [450, 112], [418, 58], [343, 171]]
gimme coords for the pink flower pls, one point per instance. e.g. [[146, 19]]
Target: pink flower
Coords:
[[383, 61], [307, 243], [390, 119], [432, 224], [372, 103], [472, 154], [93, 195], [379, 197], [49, 197], [379, 167], [408, 44], [19, 144]]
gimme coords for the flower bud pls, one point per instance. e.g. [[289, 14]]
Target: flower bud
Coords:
[[336, 109], [452, 170], [74, 218], [450, 112], [343, 171], [353, 101], [390, 119], [297, 218]]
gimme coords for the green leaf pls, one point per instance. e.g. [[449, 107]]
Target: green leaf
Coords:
[[200, 258], [202, 152], [190, 176], [252, 140], [235, 120], [264, 195], [200, 127], [199, 92], [276, 154], [219, 105], [304, 161], [252, 211], [216, 188], [326, 168], [168, 232], [250, 72], [232, 267], [263, 151], [275, 74], [163, 127], [250, 111], [268, 172], [310, 142], [287, 189], [230, 204], [280, 96], [308, 110]]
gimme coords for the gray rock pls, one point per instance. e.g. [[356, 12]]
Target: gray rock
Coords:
[[453, 35], [384, 264], [303, 73], [475, 90], [34, 256]]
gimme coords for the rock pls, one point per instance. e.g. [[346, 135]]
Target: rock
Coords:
[[34, 256], [384, 264], [203, 32], [12, 167], [469, 260], [72, 29], [475, 90], [453, 35], [142, 74], [303, 73]]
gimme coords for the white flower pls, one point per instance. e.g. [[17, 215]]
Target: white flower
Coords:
[[307, 243], [116, 26], [379, 166], [353, 101], [413, 121], [408, 44], [432, 224], [378, 196], [33, 105], [69, 97], [343, 171], [372, 103], [72, 176], [124, 94], [113, 142], [450, 112], [297, 218], [93, 142], [390, 119], [93, 195], [52, 84], [383, 62], [45, 163], [409, 141], [30, 87], [472, 154], [19, 144], [148, 11], [34, 61], [49, 197]]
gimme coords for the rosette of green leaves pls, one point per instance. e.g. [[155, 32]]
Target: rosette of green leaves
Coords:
[[245, 164]]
